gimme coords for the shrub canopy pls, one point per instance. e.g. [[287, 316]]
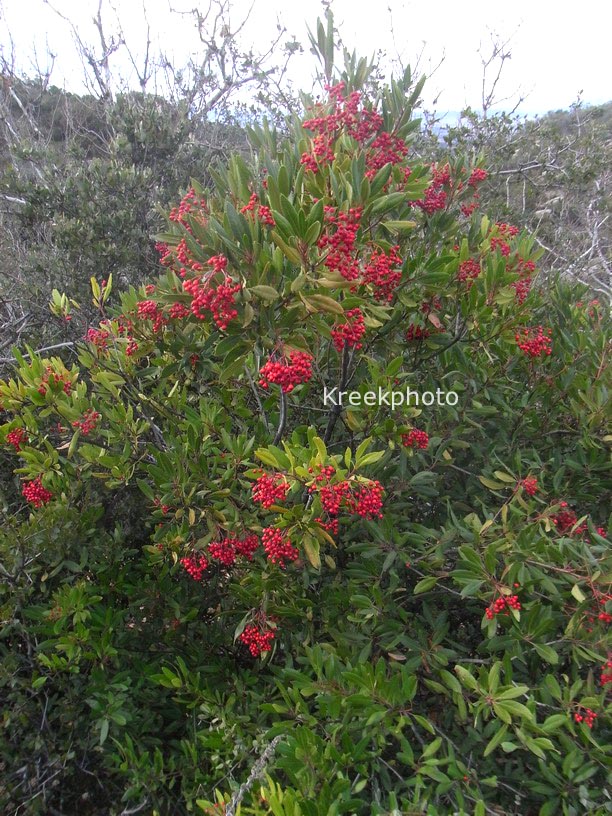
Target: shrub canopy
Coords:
[[242, 529]]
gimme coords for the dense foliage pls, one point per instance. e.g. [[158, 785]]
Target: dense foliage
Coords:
[[210, 555]]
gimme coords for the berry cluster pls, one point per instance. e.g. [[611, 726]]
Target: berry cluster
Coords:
[[499, 243], [288, 372], [35, 493], [165, 255], [367, 501], [359, 123], [436, 197], [218, 299], [189, 203], [278, 547], [415, 439], [270, 489], [149, 310], [588, 717], [351, 332], [223, 551], [257, 640], [469, 208], [185, 257], [340, 244], [415, 333], [195, 566], [227, 550], [382, 274], [529, 485], [178, 311], [468, 271], [88, 421], [565, 520], [606, 673], [477, 175], [17, 437], [52, 380], [522, 286], [385, 149], [364, 500], [263, 213], [535, 342], [503, 604]]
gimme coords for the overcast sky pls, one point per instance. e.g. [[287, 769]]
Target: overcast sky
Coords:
[[558, 50]]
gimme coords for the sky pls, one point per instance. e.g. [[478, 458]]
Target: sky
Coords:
[[558, 53]]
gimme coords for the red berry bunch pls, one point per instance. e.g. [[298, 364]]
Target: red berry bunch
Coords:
[[367, 500], [359, 123], [477, 175], [503, 604], [288, 372], [257, 640], [53, 380], [340, 244], [468, 209], [270, 489], [195, 566], [223, 551], [218, 299], [435, 196], [88, 421], [227, 550], [263, 213], [499, 243], [606, 673], [163, 250], [278, 547], [565, 519], [535, 342], [415, 439], [415, 333], [382, 274], [588, 717], [332, 496], [508, 230], [468, 271], [17, 437], [351, 332], [35, 493], [186, 259], [179, 311], [385, 149], [529, 485], [188, 205], [246, 546]]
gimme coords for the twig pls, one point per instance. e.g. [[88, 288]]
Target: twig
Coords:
[[256, 772], [282, 420]]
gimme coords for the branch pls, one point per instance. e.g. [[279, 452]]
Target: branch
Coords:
[[282, 420], [337, 409], [256, 772]]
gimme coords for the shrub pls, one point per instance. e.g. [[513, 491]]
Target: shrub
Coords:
[[243, 536]]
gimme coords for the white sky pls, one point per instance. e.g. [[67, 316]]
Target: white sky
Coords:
[[558, 50]]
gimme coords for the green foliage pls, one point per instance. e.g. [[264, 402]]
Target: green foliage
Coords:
[[434, 657]]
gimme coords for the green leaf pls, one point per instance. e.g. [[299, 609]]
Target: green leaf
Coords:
[[311, 548], [547, 653], [433, 747], [578, 594], [265, 292], [491, 484], [497, 739], [425, 584]]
